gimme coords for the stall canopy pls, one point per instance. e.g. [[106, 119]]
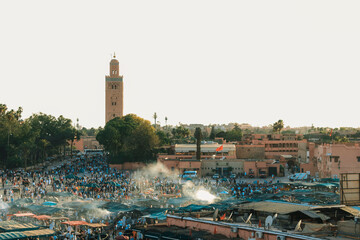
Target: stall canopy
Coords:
[[8, 226], [12, 235], [96, 225], [23, 214], [75, 223], [26, 234], [49, 203], [42, 217]]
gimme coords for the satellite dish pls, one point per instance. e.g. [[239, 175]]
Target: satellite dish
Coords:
[[268, 222], [215, 215], [230, 215], [275, 216], [248, 219], [298, 227]]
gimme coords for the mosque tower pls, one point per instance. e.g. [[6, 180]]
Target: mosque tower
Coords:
[[114, 92]]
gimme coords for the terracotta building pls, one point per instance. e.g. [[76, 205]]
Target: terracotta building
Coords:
[[274, 145], [86, 142], [114, 92], [334, 159]]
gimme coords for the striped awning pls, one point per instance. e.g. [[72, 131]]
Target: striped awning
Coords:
[[39, 233], [12, 235], [10, 226], [26, 234]]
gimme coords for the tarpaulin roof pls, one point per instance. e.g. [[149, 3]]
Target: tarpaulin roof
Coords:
[[351, 210], [96, 225], [8, 226], [75, 223], [275, 207], [12, 236], [194, 207], [59, 218], [43, 210], [60, 194], [315, 215], [42, 217], [23, 214], [39, 233], [26, 234]]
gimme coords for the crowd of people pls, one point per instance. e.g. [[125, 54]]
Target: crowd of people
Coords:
[[90, 178]]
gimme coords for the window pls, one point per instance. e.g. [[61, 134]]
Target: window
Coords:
[[336, 158], [113, 103], [113, 115], [358, 158]]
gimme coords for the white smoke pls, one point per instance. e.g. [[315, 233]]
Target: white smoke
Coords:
[[198, 192], [156, 170], [3, 205]]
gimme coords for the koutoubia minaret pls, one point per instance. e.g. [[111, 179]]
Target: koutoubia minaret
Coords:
[[114, 93]]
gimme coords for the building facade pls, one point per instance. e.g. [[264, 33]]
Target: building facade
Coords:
[[334, 159], [273, 146], [114, 92]]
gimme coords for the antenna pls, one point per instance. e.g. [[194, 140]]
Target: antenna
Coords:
[[298, 227], [268, 222]]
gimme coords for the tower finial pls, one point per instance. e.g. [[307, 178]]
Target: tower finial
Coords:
[[114, 55]]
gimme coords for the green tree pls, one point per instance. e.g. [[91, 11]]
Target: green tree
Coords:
[[164, 138], [198, 135], [212, 133], [235, 134], [129, 138], [278, 126], [180, 133]]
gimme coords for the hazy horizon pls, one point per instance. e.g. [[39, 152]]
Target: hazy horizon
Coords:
[[208, 62]]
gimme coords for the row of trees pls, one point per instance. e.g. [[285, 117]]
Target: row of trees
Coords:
[[31, 141]]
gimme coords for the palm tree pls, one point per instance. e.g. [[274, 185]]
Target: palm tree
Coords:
[[198, 136], [278, 126], [155, 117], [166, 121]]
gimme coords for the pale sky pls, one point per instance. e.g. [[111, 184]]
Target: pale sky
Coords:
[[192, 61]]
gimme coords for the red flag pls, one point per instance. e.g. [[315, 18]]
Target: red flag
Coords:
[[222, 217], [220, 148], [331, 133]]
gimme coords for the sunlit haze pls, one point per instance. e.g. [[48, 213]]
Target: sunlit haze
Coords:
[[193, 61]]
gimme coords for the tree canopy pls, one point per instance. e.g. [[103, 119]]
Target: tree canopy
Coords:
[[30, 141], [128, 139], [278, 126]]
